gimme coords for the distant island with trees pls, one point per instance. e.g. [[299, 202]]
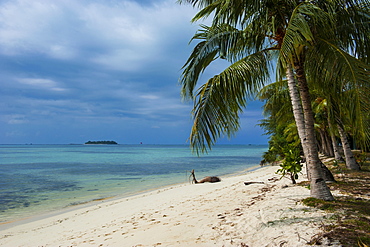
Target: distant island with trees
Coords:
[[102, 142]]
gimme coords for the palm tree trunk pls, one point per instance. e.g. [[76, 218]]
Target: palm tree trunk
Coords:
[[337, 155], [300, 123], [350, 159], [328, 146], [322, 147], [325, 147], [297, 112], [319, 189]]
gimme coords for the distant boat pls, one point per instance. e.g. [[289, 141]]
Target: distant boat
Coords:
[[101, 142]]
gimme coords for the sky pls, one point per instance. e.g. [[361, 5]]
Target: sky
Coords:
[[73, 71]]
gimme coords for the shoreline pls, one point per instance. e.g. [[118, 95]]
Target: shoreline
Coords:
[[61, 176], [39, 214], [70, 207], [227, 213]]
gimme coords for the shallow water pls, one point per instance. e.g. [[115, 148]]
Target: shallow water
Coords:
[[41, 178]]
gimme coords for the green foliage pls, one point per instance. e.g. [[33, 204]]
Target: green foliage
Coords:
[[275, 153], [318, 203], [280, 130], [291, 165], [279, 124]]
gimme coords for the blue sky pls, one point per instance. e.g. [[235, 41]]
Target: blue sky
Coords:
[[73, 71]]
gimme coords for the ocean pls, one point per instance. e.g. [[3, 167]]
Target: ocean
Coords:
[[36, 179]]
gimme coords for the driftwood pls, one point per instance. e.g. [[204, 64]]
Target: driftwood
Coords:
[[248, 183], [203, 180]]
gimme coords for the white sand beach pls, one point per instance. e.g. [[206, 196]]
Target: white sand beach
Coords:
[[227, 213]]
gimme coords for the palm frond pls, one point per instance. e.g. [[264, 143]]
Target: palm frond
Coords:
[[222, 41], [343, 81], [220, 100], [299, 33], [352, 28]]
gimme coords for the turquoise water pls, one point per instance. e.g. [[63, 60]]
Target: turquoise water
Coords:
[[41, 178]]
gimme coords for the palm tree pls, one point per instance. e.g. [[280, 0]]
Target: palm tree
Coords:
[[350, 160], [321, 110], [333, 108], [266, 27], [279, 109], [302, 51]]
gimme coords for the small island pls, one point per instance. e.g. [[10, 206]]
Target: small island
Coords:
[[102, 142]]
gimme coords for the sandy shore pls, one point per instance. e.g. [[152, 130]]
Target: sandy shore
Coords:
[[228, 213]]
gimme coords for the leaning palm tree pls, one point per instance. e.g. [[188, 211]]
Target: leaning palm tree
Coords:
[[339, 63], [338, 107], [318, 49], [286, 30]]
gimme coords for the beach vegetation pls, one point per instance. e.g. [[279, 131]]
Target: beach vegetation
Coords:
[[279, 122], [291, 165], [349, 221], [308, 44]]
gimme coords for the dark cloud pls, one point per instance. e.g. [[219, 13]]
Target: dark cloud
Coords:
[[72, 71]]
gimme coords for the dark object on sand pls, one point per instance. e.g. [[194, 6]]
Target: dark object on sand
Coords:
[[204, 180], [248, 183]]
